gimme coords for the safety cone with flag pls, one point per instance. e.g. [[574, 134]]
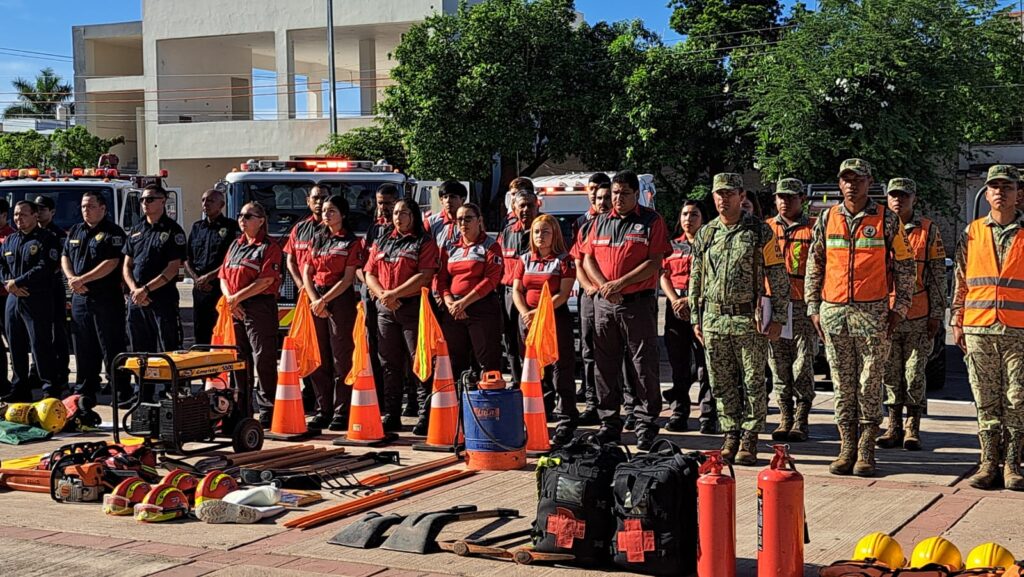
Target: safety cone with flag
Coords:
[[364, 426], [443, 433], [541, 351], [289, 422]]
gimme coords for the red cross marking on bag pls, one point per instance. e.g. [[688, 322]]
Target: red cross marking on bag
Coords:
[[565, 527], [635, 541]]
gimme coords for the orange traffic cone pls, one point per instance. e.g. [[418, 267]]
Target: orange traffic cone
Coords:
[[443, 433], [364, 425], [289, 421], [537, 442]]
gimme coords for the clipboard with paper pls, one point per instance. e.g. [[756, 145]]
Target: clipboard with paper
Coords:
[[766, 317]]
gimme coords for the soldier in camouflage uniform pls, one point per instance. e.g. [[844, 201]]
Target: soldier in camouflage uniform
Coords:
[[734, 256], [856, 246], [912, 342], [792, 359], [988, 324]]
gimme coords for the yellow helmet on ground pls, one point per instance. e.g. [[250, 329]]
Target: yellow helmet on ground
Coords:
[[880, 547], [51, 414], [938, 551], [989, 556], [20, 413]]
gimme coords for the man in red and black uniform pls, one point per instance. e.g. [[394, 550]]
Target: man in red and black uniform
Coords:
[[515, 242], [296, 254], [442, 226], [599, 191], [623, 254], [386, 196]]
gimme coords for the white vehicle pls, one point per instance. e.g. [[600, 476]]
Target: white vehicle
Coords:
[[281, 187], [120, 191]]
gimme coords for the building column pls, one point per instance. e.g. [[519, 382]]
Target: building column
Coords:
[[314, 96], [284, 61], [367, 76]]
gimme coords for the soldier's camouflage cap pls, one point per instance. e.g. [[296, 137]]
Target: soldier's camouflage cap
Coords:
[[901, 184], [1003, 171], [724, 180], [858, 165], [789, 186]]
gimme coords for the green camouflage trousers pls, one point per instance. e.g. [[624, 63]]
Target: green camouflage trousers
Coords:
[[736, 371], [792, 364], [904, 373], [995, 368], [858, 366]]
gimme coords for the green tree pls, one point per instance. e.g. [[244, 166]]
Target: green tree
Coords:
[[376, 142], [77, 147], [39, 98], [902, 83], [25, 149]]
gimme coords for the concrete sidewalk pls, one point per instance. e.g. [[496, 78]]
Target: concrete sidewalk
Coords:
[[916, 495]]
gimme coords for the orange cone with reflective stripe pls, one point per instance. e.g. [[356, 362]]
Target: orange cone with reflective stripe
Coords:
[[541, 351], [289, 418], [364, 425], [443, 430]]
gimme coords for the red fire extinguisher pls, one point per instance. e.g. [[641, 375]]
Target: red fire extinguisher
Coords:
[[716, 518], [780, 518]]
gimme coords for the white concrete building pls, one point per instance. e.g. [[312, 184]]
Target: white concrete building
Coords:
[[199, 86]]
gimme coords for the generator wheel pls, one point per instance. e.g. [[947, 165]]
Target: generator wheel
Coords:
[[247, 436]]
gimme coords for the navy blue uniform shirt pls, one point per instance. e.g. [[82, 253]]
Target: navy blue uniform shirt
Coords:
[[87, 247], [151, 247], [30, 260], [209, 241]]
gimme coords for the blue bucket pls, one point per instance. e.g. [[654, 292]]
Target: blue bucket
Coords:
[[496, 413]]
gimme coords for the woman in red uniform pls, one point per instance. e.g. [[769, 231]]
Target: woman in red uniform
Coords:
[[249, 280], [684, 351], [548, 262], [470, 271], [400, 264], [335, 254]]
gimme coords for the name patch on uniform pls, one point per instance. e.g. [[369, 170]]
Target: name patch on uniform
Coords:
[[870, 231], [74, 241]]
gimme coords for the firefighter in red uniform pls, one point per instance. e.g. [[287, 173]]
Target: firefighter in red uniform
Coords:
[[685, 353], [599, 191], [327, 278], [515, 242], [549, 263], [249, 281], [470, 270], [399, 265], [624, 252]]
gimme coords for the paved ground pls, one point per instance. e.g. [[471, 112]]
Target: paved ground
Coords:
[[916, 495]]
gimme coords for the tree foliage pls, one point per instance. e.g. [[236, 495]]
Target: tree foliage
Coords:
[[64, 150], [40, 97], [381, 141], [902, 83]]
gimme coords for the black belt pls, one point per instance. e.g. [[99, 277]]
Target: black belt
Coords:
[[737, 309], [628, 298]]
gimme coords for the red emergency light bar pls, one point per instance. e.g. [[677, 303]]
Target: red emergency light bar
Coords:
[[313, 165], [560, 189]]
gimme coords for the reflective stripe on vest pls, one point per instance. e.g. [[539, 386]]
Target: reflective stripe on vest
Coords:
[[918, 238], [855, 264], [795, 245], [994, 293]]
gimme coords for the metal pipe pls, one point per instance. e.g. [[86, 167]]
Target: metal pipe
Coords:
[[332, 82]]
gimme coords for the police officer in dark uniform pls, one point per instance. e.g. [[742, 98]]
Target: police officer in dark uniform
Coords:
[[5, 231], [29, 263], [208, 242], [154, 251], [92, 265], [47, 208]]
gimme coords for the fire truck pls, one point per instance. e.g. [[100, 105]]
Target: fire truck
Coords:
[[281, 187]]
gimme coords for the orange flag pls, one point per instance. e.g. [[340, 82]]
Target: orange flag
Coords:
[[224, 330], [360, 354], [542, 336], [427, 338], [302, 331]]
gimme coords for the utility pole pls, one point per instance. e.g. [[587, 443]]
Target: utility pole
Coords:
[[331, 81]]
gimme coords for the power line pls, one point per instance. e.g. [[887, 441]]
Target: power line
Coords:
[[37, 53]]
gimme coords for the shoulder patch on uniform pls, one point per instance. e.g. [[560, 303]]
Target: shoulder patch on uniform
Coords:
[[116, 241], [53, 254], [179, 238]]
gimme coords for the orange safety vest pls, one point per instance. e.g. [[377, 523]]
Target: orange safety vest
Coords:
[[795, 245], [918, 238], [994, 293], [856, 266]]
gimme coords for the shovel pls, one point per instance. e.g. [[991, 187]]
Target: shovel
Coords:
[[368, 532], [418, 533]]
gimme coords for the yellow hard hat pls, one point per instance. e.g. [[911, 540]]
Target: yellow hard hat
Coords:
[[938, 551], [51, 414], [989, 556], [880, 547], [20, 413]]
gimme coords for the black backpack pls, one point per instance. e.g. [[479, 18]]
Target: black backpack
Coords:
[[656, 512], [574, 504]]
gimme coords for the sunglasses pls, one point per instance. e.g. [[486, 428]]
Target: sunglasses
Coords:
[[247, 216], [465, 219], [149, 199]]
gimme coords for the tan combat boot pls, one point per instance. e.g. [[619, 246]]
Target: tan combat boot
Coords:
[[912, 437], [730, 446], [988, 472], [843, 465], [865, 465], [786, 423], [747, 454], [893, 436], [800, 427], [1012, 478]]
